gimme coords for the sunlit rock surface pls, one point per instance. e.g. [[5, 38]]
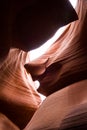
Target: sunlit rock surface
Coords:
[[66, 64], [18, 96], [70, 51]]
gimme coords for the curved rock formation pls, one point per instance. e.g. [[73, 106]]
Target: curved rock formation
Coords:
[[18, 96], [70, 53]]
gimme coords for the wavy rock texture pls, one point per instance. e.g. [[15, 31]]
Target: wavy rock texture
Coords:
[[68, 56], [66, 64], [70, 50], [18, 97]]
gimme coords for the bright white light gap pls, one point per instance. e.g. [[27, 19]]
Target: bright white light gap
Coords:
[[41, 50]]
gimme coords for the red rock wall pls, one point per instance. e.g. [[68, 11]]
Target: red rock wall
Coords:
[[69, 53], [18, 96]]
